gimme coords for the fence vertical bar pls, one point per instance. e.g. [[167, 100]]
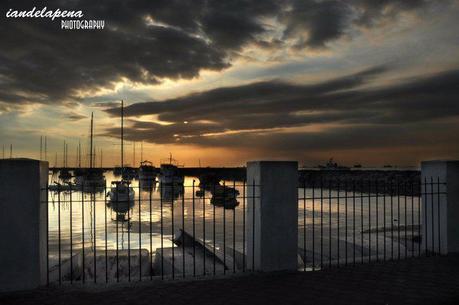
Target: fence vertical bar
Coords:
[[304, 225], [412, 218], [172, 231], [71, 235], [117, 235], [151, 228], [47, 233], [313, 227], [214, 257], [224, 228], [204, 230], [369, 221], [353, 220], [345, 221], [194, 229], [140, 236], [82, 234], [337, 223], [419, 217], [330, 186], [432, 214], [377, 219], [391, 220], [438, 214], [243, 226], [94, 235], [106, 235], [59, 231], [384, 220], [425, 214], [361, 220], [183, 232], [129, 232], [406, 219], [253, 225], [161, 227], [398, 219], [321, 223], [234, 228]]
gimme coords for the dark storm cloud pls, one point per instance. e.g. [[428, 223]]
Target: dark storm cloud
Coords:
[[325, 21], [39, 63], [249, 114]]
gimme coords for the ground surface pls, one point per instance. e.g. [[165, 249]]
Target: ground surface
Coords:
[[432, 280]]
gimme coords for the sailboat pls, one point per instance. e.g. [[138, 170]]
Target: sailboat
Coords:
[[65, 174], [93, 178], [121, 193]]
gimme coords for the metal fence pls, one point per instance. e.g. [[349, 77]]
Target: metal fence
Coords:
[[358, 221], [159, 232], [197, 230]]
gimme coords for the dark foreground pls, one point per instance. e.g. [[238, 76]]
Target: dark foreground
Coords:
[[415, 281]]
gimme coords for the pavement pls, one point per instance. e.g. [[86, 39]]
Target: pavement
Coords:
[[427, 280]]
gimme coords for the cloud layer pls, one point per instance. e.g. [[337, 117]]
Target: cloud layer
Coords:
[[341, 112], [147, 41]]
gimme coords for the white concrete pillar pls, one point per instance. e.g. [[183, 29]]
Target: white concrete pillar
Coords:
[[23, 221], [440, 206], [272, 215]]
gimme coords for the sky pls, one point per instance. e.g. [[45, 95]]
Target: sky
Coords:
[[220, 82]]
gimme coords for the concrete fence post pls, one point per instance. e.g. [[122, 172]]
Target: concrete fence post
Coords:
[[23, 221], [272, 215], [440, 206]]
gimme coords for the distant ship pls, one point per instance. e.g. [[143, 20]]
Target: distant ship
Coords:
[[333, 166]]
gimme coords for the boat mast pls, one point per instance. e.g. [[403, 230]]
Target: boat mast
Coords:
[[122, 147], [133, 154], [90, 143], [79, 153], [141, 151], [46, 149], [63, 157]]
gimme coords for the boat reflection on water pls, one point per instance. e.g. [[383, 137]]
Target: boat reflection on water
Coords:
[[170, 193], [147, 185], [121, 199], [61, 187], [91, 180]]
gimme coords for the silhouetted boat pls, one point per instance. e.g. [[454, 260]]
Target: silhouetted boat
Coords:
[[208, 179], [129, 173], [64, 174], [224, 196], [169, 173], [147, 174], [91, 179]]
